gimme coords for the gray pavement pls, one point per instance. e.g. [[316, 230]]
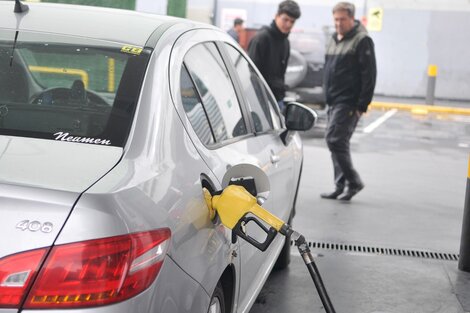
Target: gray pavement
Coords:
[[368, 284], [415, 171]]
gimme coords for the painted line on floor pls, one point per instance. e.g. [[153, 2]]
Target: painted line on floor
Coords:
[[420, 108], [372, 126]]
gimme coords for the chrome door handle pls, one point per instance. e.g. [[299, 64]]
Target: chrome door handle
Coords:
[[275, 158]]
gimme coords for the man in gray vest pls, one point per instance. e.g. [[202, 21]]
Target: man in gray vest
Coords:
[[349, 82]]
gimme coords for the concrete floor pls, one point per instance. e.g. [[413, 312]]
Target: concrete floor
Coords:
[[415, 171], [369, 284]]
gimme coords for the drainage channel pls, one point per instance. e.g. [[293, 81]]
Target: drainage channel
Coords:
[[383, 251]]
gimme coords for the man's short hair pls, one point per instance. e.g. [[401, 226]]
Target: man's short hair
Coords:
[[345, 6], [237, 21], [290, 8]]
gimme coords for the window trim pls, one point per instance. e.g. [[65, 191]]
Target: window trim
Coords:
[[230, 141], [198, 95]]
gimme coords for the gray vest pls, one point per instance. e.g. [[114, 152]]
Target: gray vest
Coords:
[[345, 46]]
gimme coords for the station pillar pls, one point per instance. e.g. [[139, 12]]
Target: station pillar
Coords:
[[431, 90]]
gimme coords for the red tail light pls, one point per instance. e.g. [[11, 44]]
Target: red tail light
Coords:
[[91, 273], [99, 272], [16, 273]]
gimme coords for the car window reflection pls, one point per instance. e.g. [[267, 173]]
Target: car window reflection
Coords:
[[216, 90]]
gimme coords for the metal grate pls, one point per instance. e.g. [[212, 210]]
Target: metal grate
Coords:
[[384, 251]]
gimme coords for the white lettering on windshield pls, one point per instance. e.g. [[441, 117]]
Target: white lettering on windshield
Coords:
[[67, 137]]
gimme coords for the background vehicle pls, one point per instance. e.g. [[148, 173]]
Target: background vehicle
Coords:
[[109, 130], [304, 75]]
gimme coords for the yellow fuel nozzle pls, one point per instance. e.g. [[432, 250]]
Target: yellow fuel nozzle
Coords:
[[208, 198], [235, 202], [232, 206]]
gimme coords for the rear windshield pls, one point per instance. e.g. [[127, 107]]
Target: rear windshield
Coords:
[[67, 88]]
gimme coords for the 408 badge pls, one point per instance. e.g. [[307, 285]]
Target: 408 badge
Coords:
[[35, 226]]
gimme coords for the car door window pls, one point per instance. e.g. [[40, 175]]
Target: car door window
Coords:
[[194, 109], [260, 105], [212, 80]]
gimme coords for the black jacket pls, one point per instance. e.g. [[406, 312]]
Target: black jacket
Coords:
[[350, 69], [269, 49]]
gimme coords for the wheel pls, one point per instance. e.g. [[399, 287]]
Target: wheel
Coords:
[[283, 259], [217, 301]]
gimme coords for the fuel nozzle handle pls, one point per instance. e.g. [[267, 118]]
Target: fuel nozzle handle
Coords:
[[235, 202], [233, 206]]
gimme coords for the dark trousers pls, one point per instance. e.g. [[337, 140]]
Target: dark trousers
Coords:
[[342, 121]]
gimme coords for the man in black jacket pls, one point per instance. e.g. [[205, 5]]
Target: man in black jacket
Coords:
[[269, 48], [349, 82]]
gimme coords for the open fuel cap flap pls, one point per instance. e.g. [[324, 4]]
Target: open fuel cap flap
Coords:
[[244, 175]]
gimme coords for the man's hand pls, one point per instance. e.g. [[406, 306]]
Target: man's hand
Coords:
[[358, 113]]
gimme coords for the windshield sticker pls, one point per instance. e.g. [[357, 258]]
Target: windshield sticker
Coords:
[[67, 137], [131, 50]]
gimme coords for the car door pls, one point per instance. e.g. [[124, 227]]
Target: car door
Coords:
[[234, 143], [266, 121], [233, 139]]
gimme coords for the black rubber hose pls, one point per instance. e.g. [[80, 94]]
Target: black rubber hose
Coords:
[[315, 274], [325, 299]]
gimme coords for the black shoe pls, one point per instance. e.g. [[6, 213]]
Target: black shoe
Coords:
[[351, 192], [332, 195]]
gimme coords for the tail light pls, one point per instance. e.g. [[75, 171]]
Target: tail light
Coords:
[[98, 272], [16, 273]]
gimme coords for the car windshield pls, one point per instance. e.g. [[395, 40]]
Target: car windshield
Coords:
[[68, 88]]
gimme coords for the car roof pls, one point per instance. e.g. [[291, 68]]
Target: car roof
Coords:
[[123, 26]]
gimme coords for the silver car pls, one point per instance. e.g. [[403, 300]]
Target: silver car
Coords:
[[111, 123]]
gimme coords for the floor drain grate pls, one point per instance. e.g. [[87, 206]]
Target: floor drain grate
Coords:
[[384, 251]]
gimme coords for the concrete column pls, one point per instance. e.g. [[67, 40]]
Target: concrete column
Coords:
[[464, 259]]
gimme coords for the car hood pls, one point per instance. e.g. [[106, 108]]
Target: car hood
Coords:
[[40, 180]]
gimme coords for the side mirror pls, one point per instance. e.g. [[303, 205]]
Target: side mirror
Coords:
[[299, 116]]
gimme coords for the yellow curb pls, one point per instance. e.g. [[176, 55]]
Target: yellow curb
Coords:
[[419, 108]]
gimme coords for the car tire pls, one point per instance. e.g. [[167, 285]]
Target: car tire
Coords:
[[217, 304], [283, 259]]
